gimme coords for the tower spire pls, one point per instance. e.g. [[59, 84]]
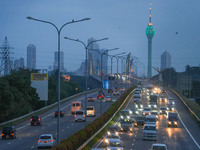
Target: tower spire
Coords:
[[150, 13]]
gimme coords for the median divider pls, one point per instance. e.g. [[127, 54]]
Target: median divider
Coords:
[[81, 138], [193, 107], [44, 108]]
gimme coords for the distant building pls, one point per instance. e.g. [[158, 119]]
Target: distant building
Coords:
[[165, 61], [55, 64], [18, 63], [31, 56], [21, 62]]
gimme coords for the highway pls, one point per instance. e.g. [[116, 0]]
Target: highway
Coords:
[[185, 137], [28, 135]]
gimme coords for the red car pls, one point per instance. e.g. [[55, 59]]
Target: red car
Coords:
[[100, 96]]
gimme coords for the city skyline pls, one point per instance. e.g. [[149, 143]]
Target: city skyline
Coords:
[[165, 60], [31, 57], [125, 29]]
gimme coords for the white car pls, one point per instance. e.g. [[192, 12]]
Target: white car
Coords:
[[159, 147], [46, 141], [115, 145], [79, 116], [111, 138]]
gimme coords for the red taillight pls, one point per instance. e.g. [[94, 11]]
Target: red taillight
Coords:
[[83, 115], [51, 140], [74, 115], [39, 141], [31, 119], [2, 134], [12, 134], [38, 119]]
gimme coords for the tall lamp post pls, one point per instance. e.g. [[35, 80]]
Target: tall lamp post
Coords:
[[58, 32], [102, 53], [86, 65]]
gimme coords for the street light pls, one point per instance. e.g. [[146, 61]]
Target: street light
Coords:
[[86, 65], [103, 53], [58, 31]]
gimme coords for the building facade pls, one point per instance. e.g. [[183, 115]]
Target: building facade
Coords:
[[55, 64], [31, 56], [165, 60]]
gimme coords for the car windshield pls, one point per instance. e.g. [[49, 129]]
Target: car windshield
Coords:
[[150, 128], [79, 113], [115, 144], [124, 113], [90, 108], [159, 148], [45, 137], [154, 113], [125, 122]]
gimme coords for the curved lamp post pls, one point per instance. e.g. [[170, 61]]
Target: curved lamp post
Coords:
[[86, 65], [58, 32]]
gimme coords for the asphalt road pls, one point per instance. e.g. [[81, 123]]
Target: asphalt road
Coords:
[[28, 135], [185, 137]]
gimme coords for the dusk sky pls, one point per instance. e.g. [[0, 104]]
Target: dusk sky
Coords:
[[122, 21]]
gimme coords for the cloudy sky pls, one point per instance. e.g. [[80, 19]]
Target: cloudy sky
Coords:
[[122, 21]]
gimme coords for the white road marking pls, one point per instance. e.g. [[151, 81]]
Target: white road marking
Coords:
[[22, 127], [32, 147], [133, 144], [9, 142], [62, 130], [28, 134]]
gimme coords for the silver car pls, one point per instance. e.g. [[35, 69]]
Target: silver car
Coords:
[[79, 116]]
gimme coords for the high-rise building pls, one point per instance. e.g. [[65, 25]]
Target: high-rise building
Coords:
[[21, 62], [18, 63], [31, 56], [149, 33], [6, 59], [165, 60], [105, 61], [55, 64], [93, 58]]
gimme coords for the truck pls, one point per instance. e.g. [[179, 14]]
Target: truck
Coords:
[[153, 101], [172, 119]]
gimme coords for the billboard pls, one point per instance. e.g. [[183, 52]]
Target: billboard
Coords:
[[40, 82]]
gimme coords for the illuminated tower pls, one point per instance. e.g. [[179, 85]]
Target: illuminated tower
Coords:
[[149, 33]]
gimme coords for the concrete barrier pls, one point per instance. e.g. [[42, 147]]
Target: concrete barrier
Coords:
[[46, 108]]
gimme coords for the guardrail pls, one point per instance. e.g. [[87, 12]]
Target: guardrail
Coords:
[[185, 104], [82, 146], [46, 108]]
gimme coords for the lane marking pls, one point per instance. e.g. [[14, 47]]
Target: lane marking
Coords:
[[32, 147], [9, 142]]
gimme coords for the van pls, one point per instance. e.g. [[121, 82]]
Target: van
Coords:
[[90, 111], [76, 106]]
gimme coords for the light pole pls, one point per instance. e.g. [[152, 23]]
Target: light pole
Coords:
[[58, 31], [86, 65], [102, 53]]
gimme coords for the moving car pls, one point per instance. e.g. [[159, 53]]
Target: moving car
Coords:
[[146, 111], [75, 106], [156, 114], [150, 119], [158, 146], [138, 105], [115, 93], [111, 138], [100, 96], [108, 99], [126, 114], [126, 125], [172, 119], [91, 99], [150, 132], [115, 145], [46, 141], [35, 120], [163, 110], [136, 97], [140, 121], [113, 130], [61, 113], [90, 111], [79, 115], [8, 132]]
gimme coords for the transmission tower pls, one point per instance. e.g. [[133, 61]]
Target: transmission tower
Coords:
[[5, 56]]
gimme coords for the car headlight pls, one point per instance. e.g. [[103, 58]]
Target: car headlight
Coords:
[[108, 133], [116, 133], [109, 149], [128, 117], [155, 105], [141, 106], [106, 140], [169, 122], [143, 113], [149, 105], [160, 110], [137, 112], [175, 122], [167, 108], [130, 112], [173, 109], [173, 103], [136, 106], [131, 129], [122, 117]]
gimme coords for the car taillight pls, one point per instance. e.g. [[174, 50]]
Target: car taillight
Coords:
[[2, 134], [38, 119], [51, 140], [39, 141], [12, 134], [74, 115], [31, 119], [83, 115]]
